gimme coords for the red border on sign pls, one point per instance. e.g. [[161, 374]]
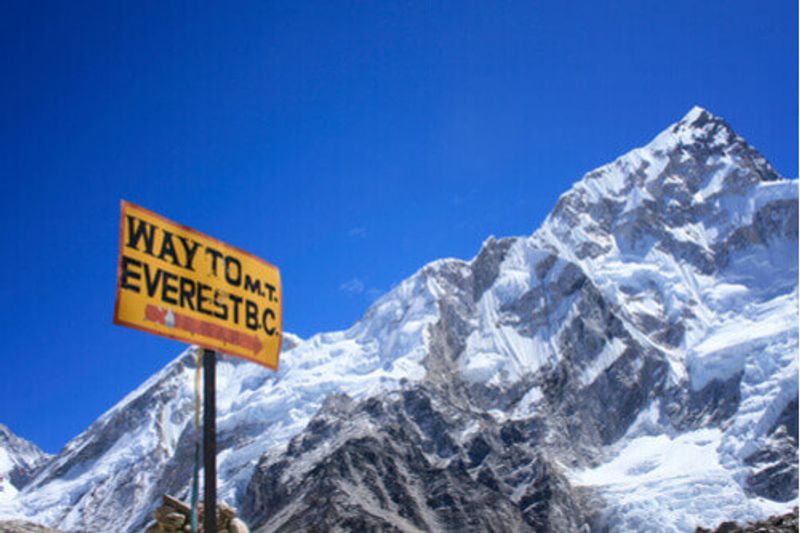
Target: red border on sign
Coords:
[[123, 210]]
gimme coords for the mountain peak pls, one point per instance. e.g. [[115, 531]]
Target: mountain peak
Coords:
[[695, 145], [697, 113], [709, 139], [665, 183], [699, 128]]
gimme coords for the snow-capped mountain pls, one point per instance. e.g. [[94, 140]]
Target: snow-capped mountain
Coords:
[[19, 459], [630, 365]]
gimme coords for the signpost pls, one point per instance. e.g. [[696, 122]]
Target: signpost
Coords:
[[179, 283]]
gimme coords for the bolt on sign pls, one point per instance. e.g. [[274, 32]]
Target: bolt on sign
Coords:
[[179, 283]]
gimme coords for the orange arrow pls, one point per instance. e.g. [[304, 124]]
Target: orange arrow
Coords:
[[167, 317]]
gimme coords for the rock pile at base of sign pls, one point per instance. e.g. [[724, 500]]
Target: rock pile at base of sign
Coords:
[[174, 516]]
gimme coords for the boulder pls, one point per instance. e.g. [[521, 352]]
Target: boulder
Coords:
[[237, 526]]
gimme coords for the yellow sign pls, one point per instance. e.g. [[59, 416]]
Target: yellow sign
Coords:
[[179, 283]]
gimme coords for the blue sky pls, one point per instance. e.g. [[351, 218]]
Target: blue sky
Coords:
[[349, 143]]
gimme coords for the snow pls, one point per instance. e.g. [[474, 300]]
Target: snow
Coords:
[[7, 490], [771, 191], [724, 352], [6, 463], [694, 113], [673, 484], [716, 181], [636, 199], [526, 407], [610, 353], [497, 353]]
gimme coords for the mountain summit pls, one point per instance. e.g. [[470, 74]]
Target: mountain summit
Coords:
[[632, 365]]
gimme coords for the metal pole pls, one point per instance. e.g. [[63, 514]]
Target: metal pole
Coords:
[[210, 441]]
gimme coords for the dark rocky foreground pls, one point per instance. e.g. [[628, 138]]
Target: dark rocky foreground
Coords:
[[776, 524]]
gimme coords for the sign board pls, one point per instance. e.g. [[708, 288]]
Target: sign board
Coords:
[[179, 283]]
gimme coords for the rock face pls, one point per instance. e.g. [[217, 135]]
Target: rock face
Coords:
[[630, 366], [411, 461]]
